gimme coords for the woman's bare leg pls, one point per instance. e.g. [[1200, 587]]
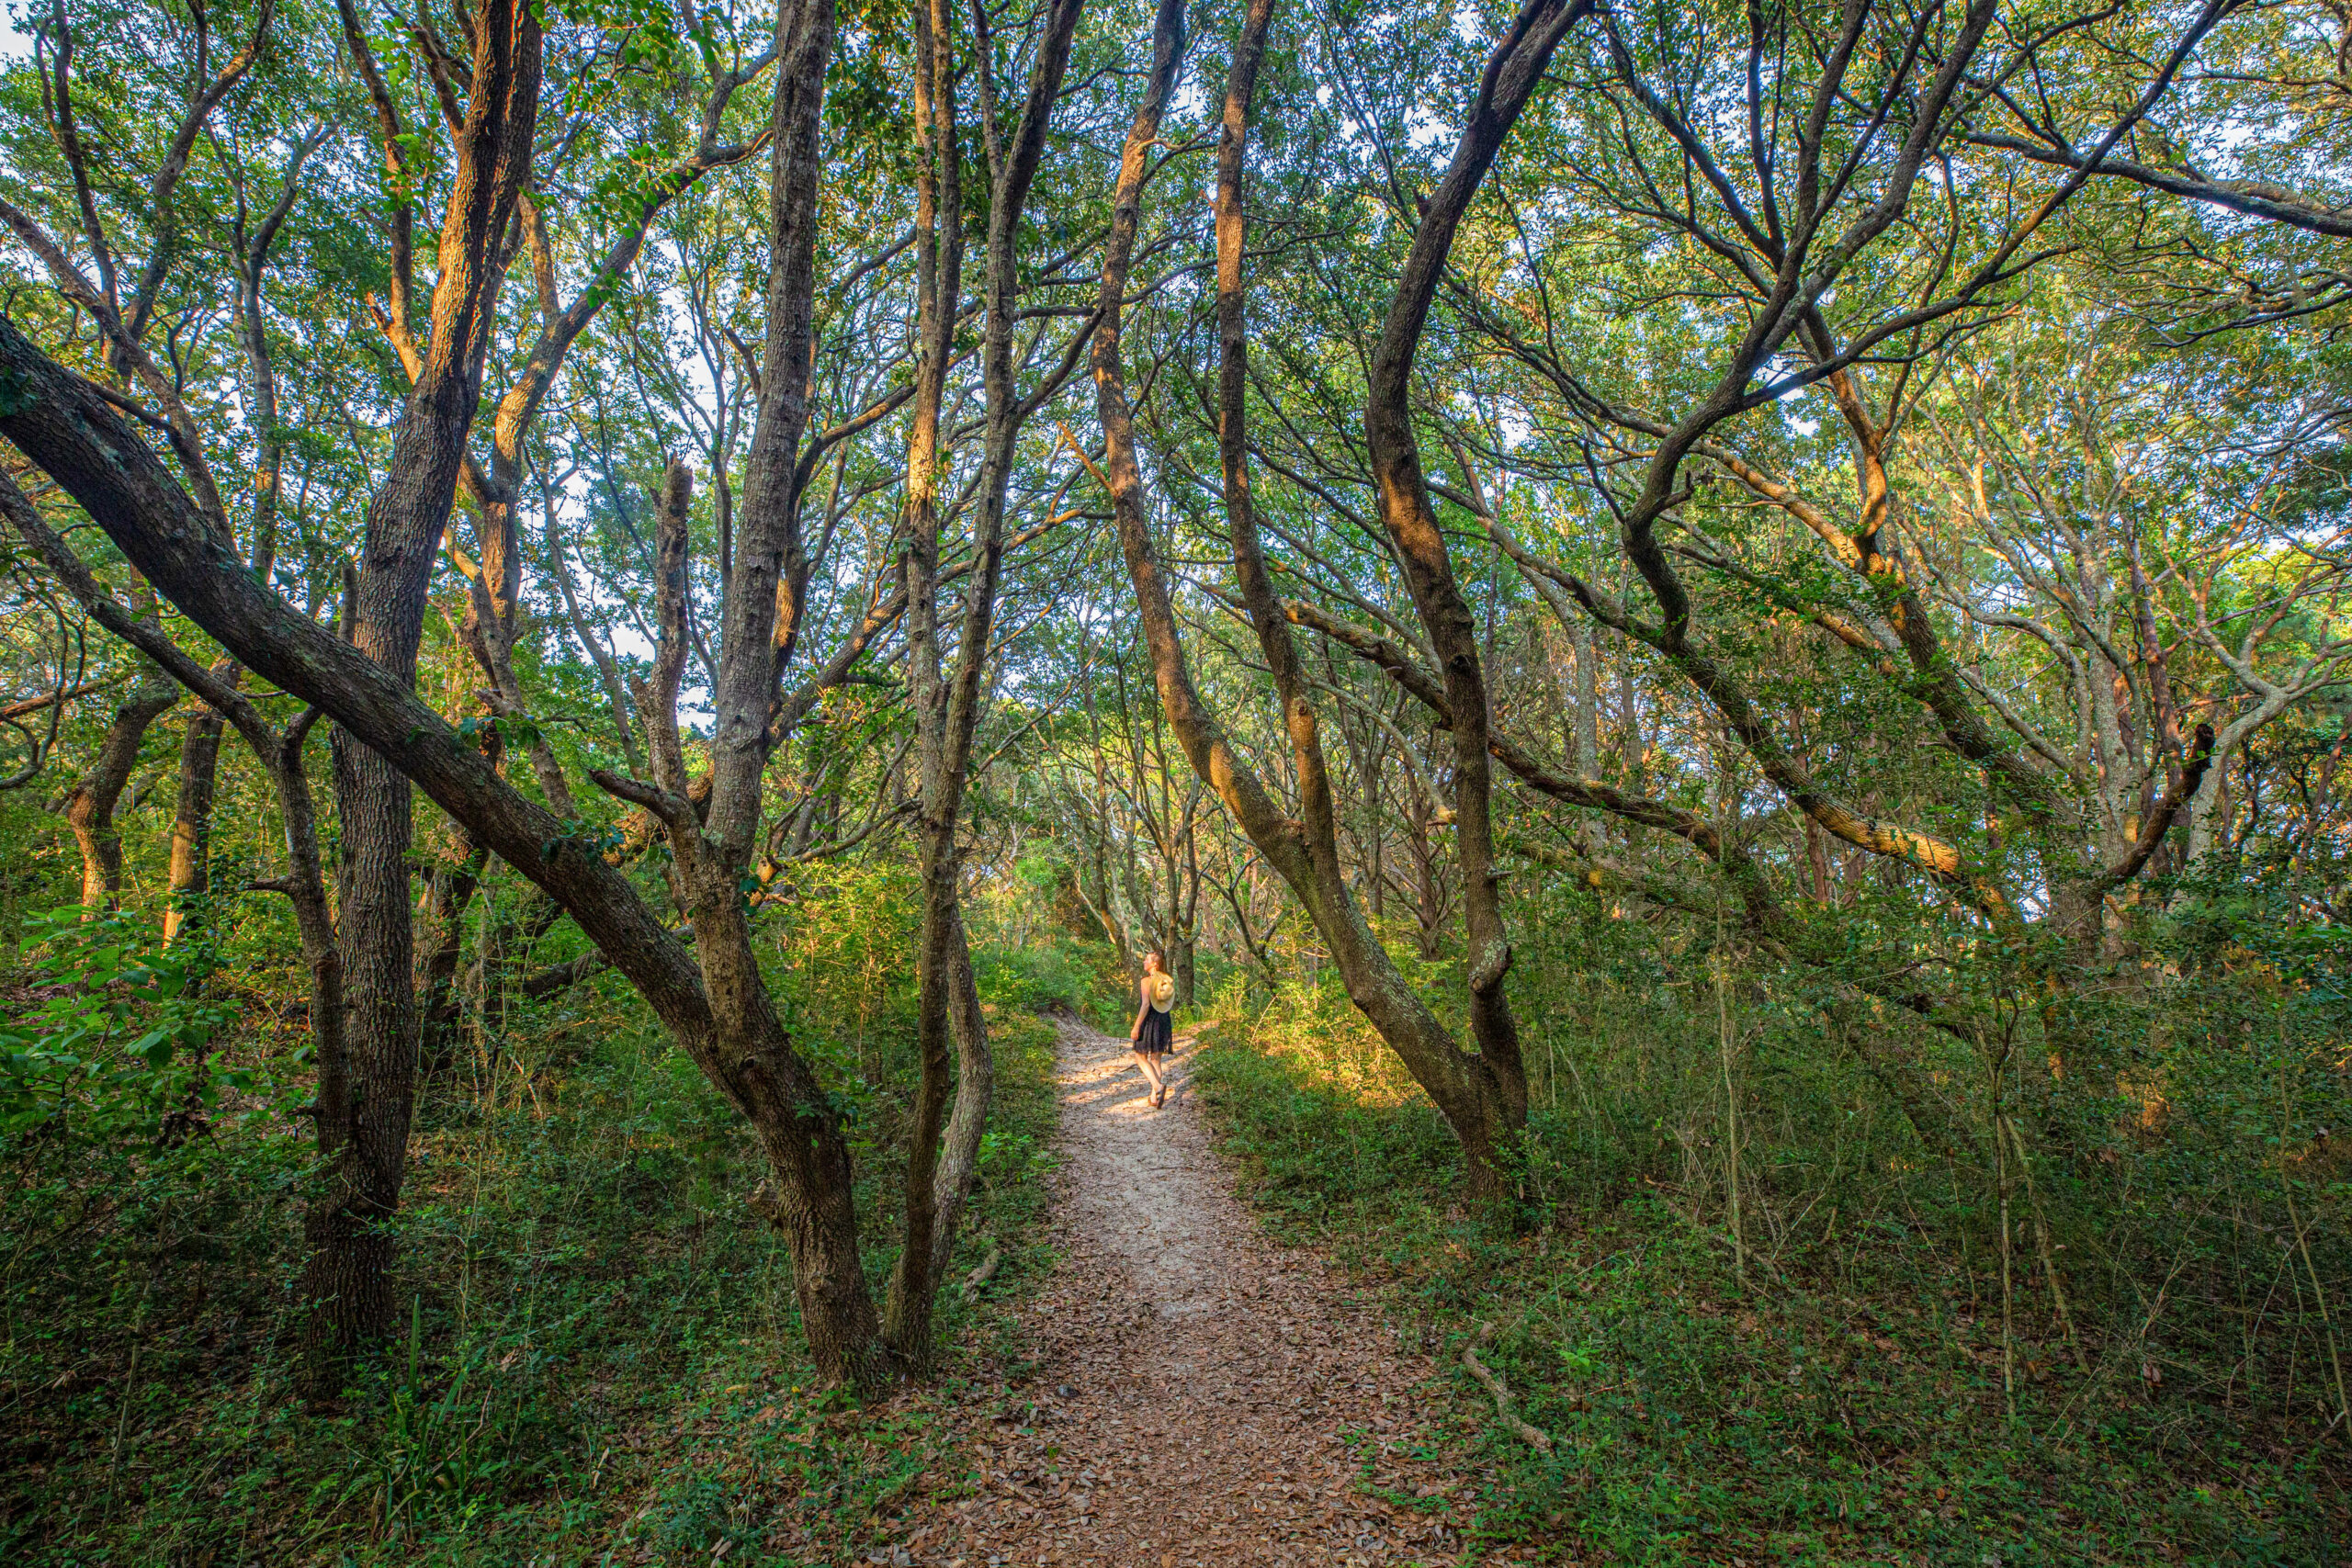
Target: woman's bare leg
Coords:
[[1149, 1062]]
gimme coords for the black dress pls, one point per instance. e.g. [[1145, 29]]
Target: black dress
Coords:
[[1157, 1034]]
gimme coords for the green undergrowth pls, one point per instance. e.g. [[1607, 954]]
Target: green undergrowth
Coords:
[[1845, 1404], [599, 1360]]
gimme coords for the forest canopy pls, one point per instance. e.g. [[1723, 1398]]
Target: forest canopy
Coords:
[[1748, 597]]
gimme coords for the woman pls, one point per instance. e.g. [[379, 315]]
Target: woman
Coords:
[[1152, 1035]]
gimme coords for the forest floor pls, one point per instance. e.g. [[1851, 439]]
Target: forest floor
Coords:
[[1198, 1393]]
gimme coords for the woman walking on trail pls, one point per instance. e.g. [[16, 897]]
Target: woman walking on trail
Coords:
[[1152, 1035]]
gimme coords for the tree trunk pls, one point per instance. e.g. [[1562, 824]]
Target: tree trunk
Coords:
[[351, 1235], [974, 1089], [947, 707], [1474, 1093], [441, 920], [1583, 724], [191, 870], [1184, 960], [1817, 859], [941, 955], [90, 807], [1496, 1076], [712, 998], [1430, 920], [347, 1280], [810, 1198], [717, 1012]]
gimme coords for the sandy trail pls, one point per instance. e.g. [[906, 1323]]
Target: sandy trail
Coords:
[[1206, 1397]]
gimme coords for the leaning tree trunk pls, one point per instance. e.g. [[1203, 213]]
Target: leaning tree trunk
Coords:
[[712, 998], [718, 1010], [1495, 1075], [1482, 1097]]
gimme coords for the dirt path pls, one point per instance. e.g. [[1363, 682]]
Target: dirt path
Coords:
[[1205, 1397]]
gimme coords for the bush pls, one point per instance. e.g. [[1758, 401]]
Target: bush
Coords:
[[1851, 1378]]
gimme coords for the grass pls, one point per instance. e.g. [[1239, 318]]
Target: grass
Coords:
[[1845, 1405], [601, 1362]]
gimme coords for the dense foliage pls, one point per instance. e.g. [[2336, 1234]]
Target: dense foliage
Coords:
[[1713, 634]]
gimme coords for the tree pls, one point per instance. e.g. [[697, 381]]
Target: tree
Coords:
[[1483, 1092]]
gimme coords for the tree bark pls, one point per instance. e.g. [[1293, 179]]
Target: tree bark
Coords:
[[810, 1202], [940, 957], [191, 865], [974, 1089], [948, 703], [1183, 959], [441, 920], [67, 428], [89, 806], [351, 1237]]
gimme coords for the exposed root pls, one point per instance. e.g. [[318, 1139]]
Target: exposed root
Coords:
[[1533, 1437], [985, 1272]]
